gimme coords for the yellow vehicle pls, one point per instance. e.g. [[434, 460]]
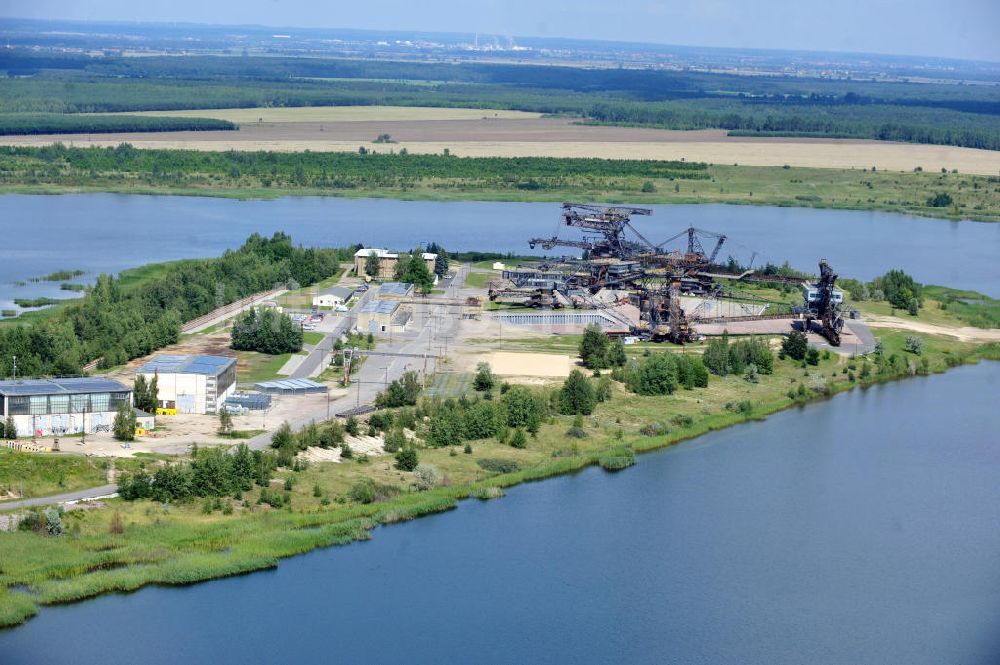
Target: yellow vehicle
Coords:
[[141, 431], [161, 411]]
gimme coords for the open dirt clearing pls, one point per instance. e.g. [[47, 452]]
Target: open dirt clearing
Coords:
[[965, 334], [548, 365]]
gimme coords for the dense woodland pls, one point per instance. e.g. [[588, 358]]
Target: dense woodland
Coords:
[[66, 123], [771, 105], [61, 164], [117, 321]]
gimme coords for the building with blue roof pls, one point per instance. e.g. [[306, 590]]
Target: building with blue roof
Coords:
[[395, 290], [377, 316], [41, 407], [191, 383]]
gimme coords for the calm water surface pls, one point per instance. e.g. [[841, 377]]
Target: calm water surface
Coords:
[[110, 232], [861, 530]]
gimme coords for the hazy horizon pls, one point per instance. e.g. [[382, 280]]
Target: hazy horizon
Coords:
[[921, 28]]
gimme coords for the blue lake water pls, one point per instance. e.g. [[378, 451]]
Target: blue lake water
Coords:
[[110, 232], [865, 529]]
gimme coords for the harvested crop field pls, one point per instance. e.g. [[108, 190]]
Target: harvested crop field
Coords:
[[488, 133]]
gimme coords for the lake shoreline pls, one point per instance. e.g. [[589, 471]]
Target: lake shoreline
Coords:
[[304, 532], [486, 195]]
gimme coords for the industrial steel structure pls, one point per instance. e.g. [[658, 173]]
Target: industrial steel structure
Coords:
[[618, 256]]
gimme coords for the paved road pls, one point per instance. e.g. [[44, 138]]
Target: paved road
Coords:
[[314, 361], [89, 493], [433, 329]]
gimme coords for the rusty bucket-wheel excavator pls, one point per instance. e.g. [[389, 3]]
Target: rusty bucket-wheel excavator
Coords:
[[618, 257], [822, 303]]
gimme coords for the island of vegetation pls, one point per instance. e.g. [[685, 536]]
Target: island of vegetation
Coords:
[[228, 509]]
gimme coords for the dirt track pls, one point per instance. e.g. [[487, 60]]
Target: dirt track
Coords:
[[966, 334], [474, 132]]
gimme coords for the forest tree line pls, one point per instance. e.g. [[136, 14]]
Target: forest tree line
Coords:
[[767, 105], [116, 321], [66, 123]]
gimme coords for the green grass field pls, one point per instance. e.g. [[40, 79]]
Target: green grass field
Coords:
[[480, 280], [253, 367], [312, 337], [450, 384]]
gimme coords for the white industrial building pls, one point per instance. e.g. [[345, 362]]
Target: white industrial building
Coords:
[[333, 297], [191, 383], [41, 407]]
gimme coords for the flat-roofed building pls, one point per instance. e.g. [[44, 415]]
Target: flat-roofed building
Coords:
[[333, 297], [379, 316], [395, 291], [191, 383], [41, 407], [387, 261]]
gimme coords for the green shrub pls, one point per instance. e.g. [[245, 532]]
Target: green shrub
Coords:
[[406, 459], [498, 465], [617, 458]]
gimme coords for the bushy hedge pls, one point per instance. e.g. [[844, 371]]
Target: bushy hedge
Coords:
[[211, 473]]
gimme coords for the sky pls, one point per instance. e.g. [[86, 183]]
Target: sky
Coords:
[[968, 29]]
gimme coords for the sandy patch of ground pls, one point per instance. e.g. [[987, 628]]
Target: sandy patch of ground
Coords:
[[547, 365], [964, 334], [179, 432], [339, 114]]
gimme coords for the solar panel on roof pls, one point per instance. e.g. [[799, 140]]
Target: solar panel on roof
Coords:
[[83, 384], [170, 363], [290, 386]]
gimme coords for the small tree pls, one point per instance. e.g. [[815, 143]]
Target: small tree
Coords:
[[812, 356], [914, 344], [10, 428], [351, 426], [416, 272], [518, 439], [795, 345], [372, 264], [577, 395], [53, 522], [140, 392], [225, 422], [616, 354], [406, 459], [125, 422], [484, 380], [152, 395], [283, 437], [427, 477], [594, 347]]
